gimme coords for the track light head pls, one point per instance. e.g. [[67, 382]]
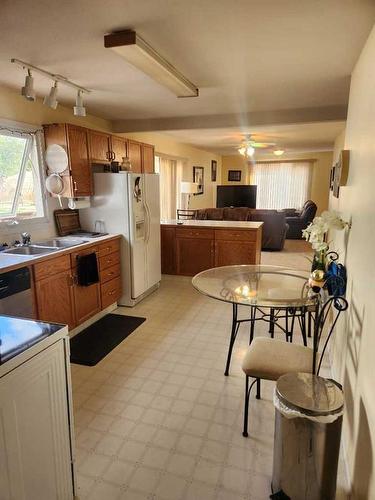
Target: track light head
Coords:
[[79, 109], [28, 90], [51, 99]]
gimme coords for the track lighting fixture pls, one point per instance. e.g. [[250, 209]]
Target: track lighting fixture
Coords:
[[79, 109], [50, 100], [28, 90]]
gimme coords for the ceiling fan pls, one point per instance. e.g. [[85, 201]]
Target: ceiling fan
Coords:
[[249, 145]]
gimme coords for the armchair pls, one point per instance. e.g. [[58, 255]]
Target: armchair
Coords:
[[300, 220]]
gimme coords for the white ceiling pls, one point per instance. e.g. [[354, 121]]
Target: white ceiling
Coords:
[[246, 56], [297, 138]]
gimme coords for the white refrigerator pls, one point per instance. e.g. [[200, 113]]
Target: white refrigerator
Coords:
[[129, 204]]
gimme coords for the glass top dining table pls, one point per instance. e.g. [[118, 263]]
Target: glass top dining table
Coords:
[[257, 285], [283, 291]]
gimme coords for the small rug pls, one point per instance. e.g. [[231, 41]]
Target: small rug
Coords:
[[96, 341]]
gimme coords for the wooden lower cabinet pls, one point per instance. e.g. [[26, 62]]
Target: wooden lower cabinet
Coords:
[[58, 296], [188, 250], [54, 298], [228, 253], [194, 255]]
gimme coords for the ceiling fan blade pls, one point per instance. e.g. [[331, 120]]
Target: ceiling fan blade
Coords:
[[262, 144]]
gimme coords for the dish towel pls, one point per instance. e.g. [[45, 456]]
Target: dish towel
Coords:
[[87, 269]]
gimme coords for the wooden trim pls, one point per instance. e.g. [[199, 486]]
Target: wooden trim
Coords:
[[300, 160]]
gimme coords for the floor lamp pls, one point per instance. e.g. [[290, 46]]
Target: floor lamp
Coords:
[[189, 188]]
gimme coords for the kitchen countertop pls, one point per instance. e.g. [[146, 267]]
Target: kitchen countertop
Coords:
[[9, 261], [17, 335], [235, 224]]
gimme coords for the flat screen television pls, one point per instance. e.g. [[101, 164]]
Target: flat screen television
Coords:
[[236, 196]]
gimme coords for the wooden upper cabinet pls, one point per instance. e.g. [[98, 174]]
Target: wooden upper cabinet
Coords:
[[79, 161], [119, 148], [148, 158], [135, 155], [77, 178], [100, 147]]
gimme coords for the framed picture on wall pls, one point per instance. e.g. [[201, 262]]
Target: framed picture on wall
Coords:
[[213, 170], [234, 175], [198, 178]]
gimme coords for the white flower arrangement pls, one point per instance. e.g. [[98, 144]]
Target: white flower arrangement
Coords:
[[318, 228]]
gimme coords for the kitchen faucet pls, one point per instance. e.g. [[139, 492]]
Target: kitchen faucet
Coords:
[[26, 238]]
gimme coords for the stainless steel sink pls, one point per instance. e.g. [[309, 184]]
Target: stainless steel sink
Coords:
[[59, 243], [30, 250]]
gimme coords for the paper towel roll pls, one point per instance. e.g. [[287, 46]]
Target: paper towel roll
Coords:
[[74, 203]]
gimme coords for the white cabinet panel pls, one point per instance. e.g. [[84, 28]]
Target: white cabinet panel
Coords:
[[35, 448]]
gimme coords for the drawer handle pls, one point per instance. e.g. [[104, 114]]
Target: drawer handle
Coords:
[[110, 274], [111, 292]]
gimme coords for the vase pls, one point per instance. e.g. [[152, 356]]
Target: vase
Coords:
[[319, 261]]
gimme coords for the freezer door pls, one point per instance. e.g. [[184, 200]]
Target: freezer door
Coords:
[[138, 228], [152, 205]]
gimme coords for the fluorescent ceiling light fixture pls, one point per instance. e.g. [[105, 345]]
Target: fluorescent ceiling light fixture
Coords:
[[278, 152], [51, 99], [140, 54], [28, 90], [79, 109]]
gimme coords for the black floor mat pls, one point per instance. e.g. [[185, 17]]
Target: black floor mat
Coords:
[[96, 341]]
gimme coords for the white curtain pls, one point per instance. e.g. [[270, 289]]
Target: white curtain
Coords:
[[170, 172], [282, 184]]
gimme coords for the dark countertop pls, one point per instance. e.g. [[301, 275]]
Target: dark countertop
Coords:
[[17, 335]]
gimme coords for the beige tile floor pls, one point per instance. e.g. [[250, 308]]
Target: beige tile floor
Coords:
[[157, 419]]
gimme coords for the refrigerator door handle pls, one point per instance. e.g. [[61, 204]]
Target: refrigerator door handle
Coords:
[[148, 217]]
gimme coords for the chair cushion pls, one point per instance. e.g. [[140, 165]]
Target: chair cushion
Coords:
[[269, 358]]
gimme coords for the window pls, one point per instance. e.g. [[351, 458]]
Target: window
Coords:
[[282, 184], [170, 172], [20, 175]]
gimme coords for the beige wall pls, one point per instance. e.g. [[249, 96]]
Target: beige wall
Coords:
[[319, 180], [192, 157], [354, 347]]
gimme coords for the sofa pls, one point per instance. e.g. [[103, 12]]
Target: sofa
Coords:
[[298, 220], [274, 228]]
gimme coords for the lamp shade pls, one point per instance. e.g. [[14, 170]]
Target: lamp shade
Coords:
[[189, 187]]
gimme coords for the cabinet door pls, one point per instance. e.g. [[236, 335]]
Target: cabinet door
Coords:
[[148, 158], [79, 161], [135, 155], [194, 255], [86, 299], [232, 252], [119, 148], [100, 147], [168, 250], [35, 458], [54, 299]]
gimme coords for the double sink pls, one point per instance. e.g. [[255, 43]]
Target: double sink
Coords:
[[48, 246]]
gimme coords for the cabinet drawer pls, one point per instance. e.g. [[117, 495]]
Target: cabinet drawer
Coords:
[[51, 266], [109, 247], [110, 273], [85, 251], [111, 292], [235, 235], [193, 232], [110, 260]]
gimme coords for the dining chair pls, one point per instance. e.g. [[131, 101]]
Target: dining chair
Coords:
[[269, 359]]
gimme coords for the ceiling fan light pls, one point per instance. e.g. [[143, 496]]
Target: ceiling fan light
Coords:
[[250, 151], [51, 100], [278, 152], [79, 109], [242, 150], [28, 90]]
